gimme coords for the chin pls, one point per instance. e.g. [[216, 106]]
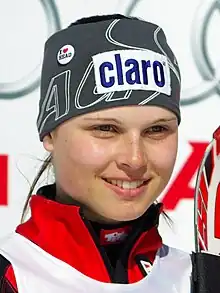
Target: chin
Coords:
[[126, 215]]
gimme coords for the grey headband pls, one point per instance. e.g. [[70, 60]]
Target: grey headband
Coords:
[[99, 65]]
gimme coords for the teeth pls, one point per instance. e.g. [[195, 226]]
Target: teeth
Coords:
[[126, 184], [119, 183], [114, 182]]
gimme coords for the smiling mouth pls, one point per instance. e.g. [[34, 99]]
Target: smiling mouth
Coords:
[[127, 184]]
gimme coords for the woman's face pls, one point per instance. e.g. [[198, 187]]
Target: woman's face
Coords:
[[115, 162]]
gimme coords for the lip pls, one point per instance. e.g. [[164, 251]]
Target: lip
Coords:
[[127, 193], [126, 179]]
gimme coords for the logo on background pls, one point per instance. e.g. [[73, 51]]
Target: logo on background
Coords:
[[209, 72], [28, 83]]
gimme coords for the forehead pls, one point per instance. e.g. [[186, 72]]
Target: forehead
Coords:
[[145, 114]]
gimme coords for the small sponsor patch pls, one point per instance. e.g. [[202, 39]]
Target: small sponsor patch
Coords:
[[114, 236], [65, 54], [123, 70]]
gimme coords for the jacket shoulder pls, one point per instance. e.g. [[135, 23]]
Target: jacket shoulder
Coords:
[[174, 254], [175, 260], [7, 278], [176, 267]]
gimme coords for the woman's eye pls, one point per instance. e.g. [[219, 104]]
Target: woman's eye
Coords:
[[105, 128], [157, 132], [157, 129], [104, 131]]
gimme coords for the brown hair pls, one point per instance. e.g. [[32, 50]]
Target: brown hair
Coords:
[[43, 168]]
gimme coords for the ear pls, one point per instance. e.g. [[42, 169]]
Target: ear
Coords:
[[48, 142]]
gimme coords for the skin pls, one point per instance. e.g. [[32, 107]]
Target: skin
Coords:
[[132, 142]]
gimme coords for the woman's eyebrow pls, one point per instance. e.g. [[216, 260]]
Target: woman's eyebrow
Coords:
[[119, 122], [104, 119], [165, 120]]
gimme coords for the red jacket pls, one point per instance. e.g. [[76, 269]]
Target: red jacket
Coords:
[[62, 231]]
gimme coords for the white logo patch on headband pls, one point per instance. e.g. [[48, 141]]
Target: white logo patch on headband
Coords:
[[123, 70]]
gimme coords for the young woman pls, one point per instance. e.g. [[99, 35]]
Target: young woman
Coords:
[[108, 116]]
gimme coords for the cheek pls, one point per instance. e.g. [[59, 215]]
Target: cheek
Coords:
[[90, 153], [163, 158], [77, 162], [83, 153]]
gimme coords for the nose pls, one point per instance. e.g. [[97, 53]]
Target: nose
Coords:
[[132, 154]]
